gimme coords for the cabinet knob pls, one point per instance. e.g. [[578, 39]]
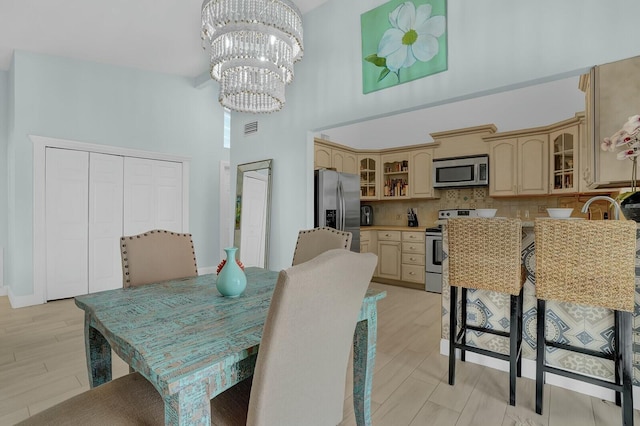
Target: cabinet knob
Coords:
[[412, 273], [412, 258], [411, 236]]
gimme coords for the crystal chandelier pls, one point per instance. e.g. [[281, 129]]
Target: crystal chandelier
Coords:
[[254, 44]]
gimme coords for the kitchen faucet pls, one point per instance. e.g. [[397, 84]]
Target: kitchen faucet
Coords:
[[616, 213]]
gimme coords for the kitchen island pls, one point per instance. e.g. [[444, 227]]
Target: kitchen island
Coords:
[[573, 324]]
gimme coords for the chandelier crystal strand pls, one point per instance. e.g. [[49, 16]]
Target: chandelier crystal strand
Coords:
[[254, 44]]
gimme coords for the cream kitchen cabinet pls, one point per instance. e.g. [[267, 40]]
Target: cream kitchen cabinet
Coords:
[[369, 176], [413, 257], [369, 244], [332, 156], [518, 164], [389, 254], [368, 241], [563, 164], [420, 173], [395, 175], [610, 99], [322, 158], [344, 161], [401, 257], [390, 174]]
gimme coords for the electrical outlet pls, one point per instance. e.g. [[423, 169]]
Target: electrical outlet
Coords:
[[398, 217], [542, 209]]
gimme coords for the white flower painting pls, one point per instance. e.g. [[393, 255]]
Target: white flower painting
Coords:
[[410, 42]]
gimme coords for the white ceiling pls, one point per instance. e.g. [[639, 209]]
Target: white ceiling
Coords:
[[151, 35]]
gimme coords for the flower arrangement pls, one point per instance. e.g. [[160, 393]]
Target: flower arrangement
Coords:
[[221, 264], [627, 138]]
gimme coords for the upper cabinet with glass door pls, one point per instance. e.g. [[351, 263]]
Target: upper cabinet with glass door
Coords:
[[369, 176], [563, 165]]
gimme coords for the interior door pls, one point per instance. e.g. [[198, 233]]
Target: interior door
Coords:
[[66, 211], [152, 195], [253, 219], [105, 221]]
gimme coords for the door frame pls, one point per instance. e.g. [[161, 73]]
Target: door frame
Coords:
[[40, 144], [225, 207]]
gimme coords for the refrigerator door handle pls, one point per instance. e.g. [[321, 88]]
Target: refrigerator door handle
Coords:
[[344, 209], [341, 208]]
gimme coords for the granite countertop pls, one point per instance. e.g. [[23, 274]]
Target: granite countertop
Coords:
[[393, 228], [525, 223]]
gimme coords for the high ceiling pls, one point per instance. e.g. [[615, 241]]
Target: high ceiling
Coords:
[[152, 35]]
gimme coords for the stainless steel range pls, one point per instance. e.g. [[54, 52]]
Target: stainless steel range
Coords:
[[433, 248]]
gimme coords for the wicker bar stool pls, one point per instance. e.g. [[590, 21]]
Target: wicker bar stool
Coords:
[[485, 254], [588, 263]]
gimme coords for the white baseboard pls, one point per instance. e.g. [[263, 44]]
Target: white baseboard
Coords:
[[34, 299], [23, 301], [529, 371], [207, 270]]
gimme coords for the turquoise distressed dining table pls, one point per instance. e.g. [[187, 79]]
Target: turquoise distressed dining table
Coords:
[[192, 344]]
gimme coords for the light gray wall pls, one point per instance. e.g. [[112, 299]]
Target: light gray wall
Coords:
[[102, 104], [493, 45]]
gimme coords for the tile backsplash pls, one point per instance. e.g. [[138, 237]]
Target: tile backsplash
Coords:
[[394, 213]]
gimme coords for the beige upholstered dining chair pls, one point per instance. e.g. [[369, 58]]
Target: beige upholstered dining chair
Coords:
[[300, 371], [312, 242], [155, 256]]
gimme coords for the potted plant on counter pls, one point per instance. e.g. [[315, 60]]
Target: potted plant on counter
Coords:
[[628, 139]]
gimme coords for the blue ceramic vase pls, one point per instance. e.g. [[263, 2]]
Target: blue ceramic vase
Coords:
[[231, 280]]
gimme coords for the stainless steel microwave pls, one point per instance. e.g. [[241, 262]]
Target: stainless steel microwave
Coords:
[[461, 172]]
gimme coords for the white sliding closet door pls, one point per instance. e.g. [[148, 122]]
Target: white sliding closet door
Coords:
[[66, 205], [86, 197], [105, 221], [152, 195]]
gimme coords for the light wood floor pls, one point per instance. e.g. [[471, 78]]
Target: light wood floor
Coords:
[[42, 362]]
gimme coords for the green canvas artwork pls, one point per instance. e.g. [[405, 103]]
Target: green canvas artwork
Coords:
[[403, 41]]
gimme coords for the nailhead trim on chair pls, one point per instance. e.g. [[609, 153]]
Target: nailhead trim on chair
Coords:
[[324, 228], [306, 248], [125, 260]]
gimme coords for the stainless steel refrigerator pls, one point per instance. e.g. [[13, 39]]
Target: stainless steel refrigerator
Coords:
[[337, 203]]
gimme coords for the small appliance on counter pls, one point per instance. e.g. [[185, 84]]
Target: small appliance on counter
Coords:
[[366, 215], [412, 218]]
